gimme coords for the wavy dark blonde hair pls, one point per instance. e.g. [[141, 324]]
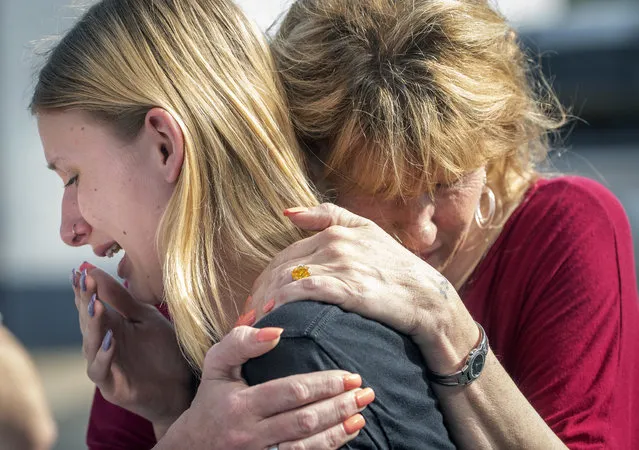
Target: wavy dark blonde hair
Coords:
[[211, 69], [395, 96]]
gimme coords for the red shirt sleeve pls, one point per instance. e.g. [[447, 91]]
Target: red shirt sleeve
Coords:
[[575, 346]]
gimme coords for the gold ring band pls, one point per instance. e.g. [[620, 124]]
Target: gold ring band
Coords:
[[300, 272]]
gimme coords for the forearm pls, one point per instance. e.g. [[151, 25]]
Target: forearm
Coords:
[[180, 434], [491, 413]]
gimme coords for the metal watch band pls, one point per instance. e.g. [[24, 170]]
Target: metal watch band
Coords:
[[472, 367]]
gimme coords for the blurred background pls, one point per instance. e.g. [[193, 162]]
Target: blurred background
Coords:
[[588, 48]]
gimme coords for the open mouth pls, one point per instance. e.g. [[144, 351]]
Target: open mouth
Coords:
[[114, 249]]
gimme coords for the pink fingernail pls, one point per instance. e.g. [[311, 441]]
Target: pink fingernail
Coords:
[[86, 266], [296, 210], [247, 319], [269, 306], [269, 334]]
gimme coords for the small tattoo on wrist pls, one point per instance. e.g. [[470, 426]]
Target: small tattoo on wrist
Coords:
[[444, 286]]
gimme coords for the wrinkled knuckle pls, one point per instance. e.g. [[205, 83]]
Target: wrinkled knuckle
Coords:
[[307, 421], [335, 250], [298, 446], [311, 283], [346, 408], [335, 233], [237, 335], [335, 438], [327, 207], [300, 392]]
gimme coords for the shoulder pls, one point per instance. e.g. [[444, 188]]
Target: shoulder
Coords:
[[329, 326], [572, 210], [321, 337], [573, 196]]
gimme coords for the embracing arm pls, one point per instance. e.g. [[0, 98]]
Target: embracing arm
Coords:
[[563, 318]]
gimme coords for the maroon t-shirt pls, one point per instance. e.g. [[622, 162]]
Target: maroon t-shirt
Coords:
[[557, 295]]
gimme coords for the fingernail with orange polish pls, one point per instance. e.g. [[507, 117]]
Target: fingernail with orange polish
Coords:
[[352, 381], [364, 397], [247, 319], [269, 334], [269, 306], [354, 424], [296, 210]]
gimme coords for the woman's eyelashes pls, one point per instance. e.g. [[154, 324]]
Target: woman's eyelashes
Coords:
[[72, 180]]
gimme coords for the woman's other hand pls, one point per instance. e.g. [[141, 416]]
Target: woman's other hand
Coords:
[[316, 410], [356, 265], [131, 350]]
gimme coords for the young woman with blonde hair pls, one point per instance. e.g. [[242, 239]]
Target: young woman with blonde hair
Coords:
[[169, 130]]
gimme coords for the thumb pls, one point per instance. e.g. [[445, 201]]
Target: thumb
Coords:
[[224, 360], [115, 295], [324, 216]]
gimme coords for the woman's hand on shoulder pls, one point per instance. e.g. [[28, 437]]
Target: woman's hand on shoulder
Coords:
[[356, 265], [131, 350], [316, 410]]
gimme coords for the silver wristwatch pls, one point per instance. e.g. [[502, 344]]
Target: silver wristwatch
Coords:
[[472, 368]]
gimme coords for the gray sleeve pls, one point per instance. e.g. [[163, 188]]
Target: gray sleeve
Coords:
[[404, 414]]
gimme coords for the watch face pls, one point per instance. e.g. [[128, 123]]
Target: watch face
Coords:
[[476, 365]]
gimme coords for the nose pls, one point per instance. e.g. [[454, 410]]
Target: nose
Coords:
[[417, 230], [74, 230]]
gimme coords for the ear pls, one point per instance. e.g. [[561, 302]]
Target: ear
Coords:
[[167, 142]]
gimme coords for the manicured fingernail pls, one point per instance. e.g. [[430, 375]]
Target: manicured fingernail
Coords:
[[91, 307], [364, 397], [86, 266], [352, 381], [296, 210], [354, 424], [269, 334], [73, 282], [106, 342], [247, 319], [126, 284], [83, 280], [269, 306]]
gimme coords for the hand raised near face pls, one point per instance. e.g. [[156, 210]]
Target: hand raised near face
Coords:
[[315, 410], [356, 265], [131, 350]]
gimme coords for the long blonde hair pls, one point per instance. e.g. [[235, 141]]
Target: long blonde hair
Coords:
[[394, 96], [206, 64]]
